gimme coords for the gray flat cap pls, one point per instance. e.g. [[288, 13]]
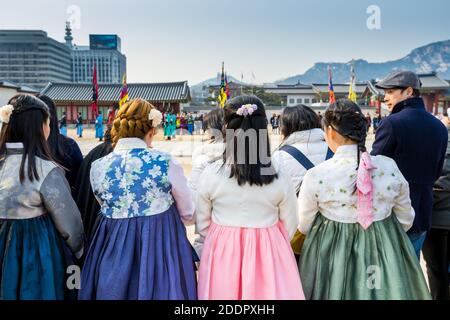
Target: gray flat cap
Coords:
[[400, 79]]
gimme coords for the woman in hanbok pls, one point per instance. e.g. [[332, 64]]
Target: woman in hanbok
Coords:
[[37, 212], [246, 215], [140, 249], [355, 210]]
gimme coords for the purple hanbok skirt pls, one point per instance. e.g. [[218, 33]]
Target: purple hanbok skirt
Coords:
[[144, 258]]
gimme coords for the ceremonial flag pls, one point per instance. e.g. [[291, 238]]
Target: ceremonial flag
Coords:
[[352, 90], [124, 93], [227, 87], [330, 86], [222, 93], [94, 104]]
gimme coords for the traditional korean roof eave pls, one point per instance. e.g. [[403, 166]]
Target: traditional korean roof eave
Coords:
[[372, 90], [170, 92], [19, 88], [432, 81]]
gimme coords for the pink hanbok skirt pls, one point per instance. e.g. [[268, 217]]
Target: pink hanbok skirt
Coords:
[[248, 264]]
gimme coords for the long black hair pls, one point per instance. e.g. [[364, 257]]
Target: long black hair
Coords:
[[298, 118], [347, 119], [245, 156], [214, 120], [26, 126], [55, 140]]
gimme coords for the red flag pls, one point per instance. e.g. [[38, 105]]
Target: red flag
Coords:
[[94, 104], [227, 87], [330, 86]]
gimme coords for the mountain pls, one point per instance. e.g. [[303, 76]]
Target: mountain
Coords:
[[432, 57]]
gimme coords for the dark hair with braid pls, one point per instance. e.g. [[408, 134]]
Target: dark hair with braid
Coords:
[[347, 119]]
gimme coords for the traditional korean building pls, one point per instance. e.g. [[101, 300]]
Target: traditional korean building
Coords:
[[308, 94], [74, 97], [9, 89], [435, 92]]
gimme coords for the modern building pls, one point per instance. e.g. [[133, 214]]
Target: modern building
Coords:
[[105, 52], [9, 90], [73, 98], [31, 58]]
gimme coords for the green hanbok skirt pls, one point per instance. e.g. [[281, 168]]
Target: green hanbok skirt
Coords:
[[342, 261]]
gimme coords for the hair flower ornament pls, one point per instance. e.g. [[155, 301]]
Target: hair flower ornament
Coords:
[[247, 110], [5, 113], [155, 117]]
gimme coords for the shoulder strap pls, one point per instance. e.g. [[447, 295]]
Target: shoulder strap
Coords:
[[330, 154], [299, 156]]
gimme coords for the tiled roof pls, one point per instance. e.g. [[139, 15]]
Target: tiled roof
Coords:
[[432, 81], [19, 88], [152, 92]]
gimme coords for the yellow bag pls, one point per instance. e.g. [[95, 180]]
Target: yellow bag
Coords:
[[297, 242]]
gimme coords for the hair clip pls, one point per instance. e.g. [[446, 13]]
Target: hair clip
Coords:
[[247, 109], [5, 113], [156, 117]]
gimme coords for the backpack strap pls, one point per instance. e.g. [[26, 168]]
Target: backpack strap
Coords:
[[330, 154], [299, 156]]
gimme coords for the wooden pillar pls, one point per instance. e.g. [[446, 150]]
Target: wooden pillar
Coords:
[[436, 102], [378, 105], [70, 114], [427, 99]]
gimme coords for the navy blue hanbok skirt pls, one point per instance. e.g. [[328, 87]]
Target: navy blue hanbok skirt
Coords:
[[143, 258], [32, 260]]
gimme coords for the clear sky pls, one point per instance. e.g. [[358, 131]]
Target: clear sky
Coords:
[[171, 40]]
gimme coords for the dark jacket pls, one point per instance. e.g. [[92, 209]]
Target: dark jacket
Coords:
[[84, 197], [72, 160], [417, 141], [441, 196]]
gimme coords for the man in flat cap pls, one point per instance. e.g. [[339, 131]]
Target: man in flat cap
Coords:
[[417, 141]]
